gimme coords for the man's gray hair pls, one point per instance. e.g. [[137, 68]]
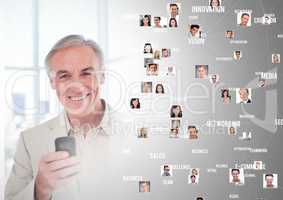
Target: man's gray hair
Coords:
[[74, 40]]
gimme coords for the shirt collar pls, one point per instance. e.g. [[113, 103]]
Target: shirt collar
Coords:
[[104, 123]]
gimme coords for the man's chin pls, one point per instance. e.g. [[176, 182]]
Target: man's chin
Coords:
[[77, 110]]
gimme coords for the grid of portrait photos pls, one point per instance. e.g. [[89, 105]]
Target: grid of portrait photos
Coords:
[[229, 95]]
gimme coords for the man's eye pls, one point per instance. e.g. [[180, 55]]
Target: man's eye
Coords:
[[86, 74], [64, 76]]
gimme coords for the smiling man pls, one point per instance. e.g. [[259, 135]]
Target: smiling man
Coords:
[[75, 69], [245, 17]]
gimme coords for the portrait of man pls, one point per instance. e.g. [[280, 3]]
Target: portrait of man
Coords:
[[194, 31], [166, 170], [214, 79], [76, 70], [244, 96], [270, 181], [237, 55], [201, 71], [152, 69], [157, 22], [230, 34], [166, 53], [192, 132], [245, 20], [235, 176], [174, 10]]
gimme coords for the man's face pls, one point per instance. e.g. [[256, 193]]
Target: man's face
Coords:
[[156, 21], [165, 53], [73, 76], [166, 169], [235, 175], [238, 55], [201, 72], [193, 132], [174, 10], [152, 68], [244, 94], [269, 180], [194, 31], [245, 20], [229, 34]]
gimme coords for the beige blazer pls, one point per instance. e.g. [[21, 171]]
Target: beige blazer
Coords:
[[37, 141]]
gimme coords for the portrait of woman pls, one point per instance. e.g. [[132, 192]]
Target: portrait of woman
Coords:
[[147, 48], [173, 23], [145, 20], [156, 54], [135, 103], [176, 111], [226, 97], [194, 172], [159, 89], [214, 4]]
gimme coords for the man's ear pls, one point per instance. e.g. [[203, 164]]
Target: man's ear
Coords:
[[52, 83], [51, 77]]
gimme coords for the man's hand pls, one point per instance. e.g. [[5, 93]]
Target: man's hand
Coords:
[[54, 167]]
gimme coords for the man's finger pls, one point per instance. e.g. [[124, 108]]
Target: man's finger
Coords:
[[67, 172], [60, 164], [54, 156]]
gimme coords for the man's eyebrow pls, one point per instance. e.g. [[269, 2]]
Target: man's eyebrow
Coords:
[[61, 72], [87, 69]]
